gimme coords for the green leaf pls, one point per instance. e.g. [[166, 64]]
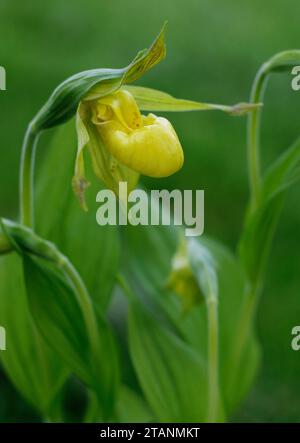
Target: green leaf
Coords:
[[146, 266], [261, 223], [284, 172], [153, 100], [236, 376], [57, 315], [132, 408], [65, 315], [60, 319], [147, 252], [219, 272], [173, 377], [245, 374], [29, 362], [147, 58], [93, 249]]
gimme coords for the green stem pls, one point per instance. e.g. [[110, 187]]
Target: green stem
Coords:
[[213, 362], [281, 62], [243, 331], [253, 136], [27, 176]]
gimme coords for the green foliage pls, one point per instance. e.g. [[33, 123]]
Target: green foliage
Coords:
[[60, 318], [29, 362], [57, 316], [64, 314], [138, 412], [172, 375], [146, 266], [260, 224]]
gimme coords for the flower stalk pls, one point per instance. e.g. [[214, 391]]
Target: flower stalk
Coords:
[[281, 62], [253, 137], [27, 176]]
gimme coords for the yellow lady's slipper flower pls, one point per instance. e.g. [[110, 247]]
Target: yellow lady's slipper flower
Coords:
[[121, 141], [147, 144]]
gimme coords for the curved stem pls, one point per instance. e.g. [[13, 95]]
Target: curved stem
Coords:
[[27, 176], [281, 62], [253, 136], [213, 362]]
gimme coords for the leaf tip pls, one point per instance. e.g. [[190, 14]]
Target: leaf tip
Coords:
[[243, 108]]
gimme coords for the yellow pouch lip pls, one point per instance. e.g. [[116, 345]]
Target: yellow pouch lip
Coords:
[[152, 150]]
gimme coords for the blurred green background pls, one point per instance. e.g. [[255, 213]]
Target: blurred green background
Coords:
[[214, 50]]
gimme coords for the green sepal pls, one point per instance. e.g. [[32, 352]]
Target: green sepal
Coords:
[[149, 99], [89, 85], [106, 168]]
